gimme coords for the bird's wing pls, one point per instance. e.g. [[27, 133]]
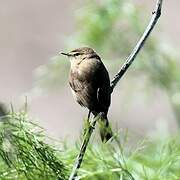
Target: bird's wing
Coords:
[[81, 89], [103, 92]]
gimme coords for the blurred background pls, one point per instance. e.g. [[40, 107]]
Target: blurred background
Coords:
[[33, 32]]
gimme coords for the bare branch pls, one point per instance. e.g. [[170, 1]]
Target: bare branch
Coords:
[[84, 145], [155, 16]]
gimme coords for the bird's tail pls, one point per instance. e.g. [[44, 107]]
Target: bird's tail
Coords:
[[105, 129]]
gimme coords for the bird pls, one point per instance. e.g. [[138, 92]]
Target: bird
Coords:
[[90, 85]]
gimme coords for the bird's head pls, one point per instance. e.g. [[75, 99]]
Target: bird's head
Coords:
[[80, 53]]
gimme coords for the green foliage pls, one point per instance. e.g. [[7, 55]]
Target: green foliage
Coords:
[[159, 160], [23, 152], [25, 155], [110, 27], [155, 160]]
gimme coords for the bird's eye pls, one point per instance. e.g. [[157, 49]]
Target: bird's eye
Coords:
[[77, 54]]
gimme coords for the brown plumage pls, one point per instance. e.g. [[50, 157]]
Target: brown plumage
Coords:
[[90, 84]]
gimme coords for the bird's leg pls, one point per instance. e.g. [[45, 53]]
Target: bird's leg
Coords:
[[87, 123]]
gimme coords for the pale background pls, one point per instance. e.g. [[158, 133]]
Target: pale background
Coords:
[[32, 31]]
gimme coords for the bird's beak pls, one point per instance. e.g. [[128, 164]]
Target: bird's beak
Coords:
[[65, 54]]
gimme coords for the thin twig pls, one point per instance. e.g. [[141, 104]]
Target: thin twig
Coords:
[[84, 144], [155, 16]]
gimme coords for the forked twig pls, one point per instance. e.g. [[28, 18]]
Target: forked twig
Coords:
[[155, 16]]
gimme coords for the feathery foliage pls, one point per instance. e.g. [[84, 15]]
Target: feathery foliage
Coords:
[[24, 154]]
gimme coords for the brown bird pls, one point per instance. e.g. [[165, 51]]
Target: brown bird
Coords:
[[90, 85]]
